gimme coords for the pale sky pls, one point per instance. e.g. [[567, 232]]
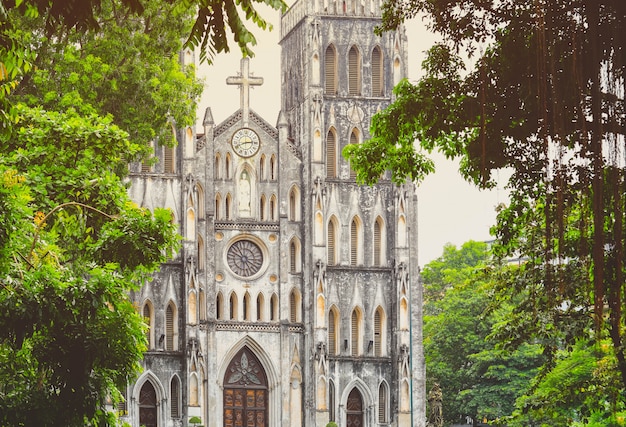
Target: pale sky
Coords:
[[450, 210]]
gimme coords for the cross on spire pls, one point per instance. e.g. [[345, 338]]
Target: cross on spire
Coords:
[[244, 80]]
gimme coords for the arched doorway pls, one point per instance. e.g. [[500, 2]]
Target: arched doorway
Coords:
[[147, 405], [354, 409], [245, 392]]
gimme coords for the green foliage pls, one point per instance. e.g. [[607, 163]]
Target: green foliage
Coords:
[[72, 247], [477, 378]]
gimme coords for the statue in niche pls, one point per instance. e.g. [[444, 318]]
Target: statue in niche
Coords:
[[244, 194]]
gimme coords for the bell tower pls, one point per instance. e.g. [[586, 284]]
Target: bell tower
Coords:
[[360, 257]]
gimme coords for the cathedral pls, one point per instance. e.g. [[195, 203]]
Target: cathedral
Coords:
[[294, 299]]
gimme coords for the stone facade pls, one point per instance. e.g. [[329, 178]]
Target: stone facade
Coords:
[[294, 299]]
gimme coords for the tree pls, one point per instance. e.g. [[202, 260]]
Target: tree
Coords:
[[544, 98], [477, 379], [72, 245], [129, 68]]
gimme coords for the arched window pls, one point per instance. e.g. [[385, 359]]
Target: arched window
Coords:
[[273, 167], [219, 306], [246, 306], [169, 160], [294, 306], [330, 70], [355, 242], [260, 303], [170, 327], [383, 399], [354, 139], [377, 72], [333, 331], [379, 329], [262, 176], [233, 306], [201, 207], [379, 249], [227, 166], [201, 253], [175, 397], [190, 226], [294, 204], [354, 72], [190, 149], [331, 242], [331, 400], [263, 208], [217, 166], [331, 154], [355, 333], [274, 307], [148, 317], [295, 259], [218, 206], [273, 208], [228, 206]]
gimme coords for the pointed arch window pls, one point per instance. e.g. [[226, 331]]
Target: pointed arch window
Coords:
[[274, 307], [377, 72], [273, 168], [331, 246], [227, 166], [294, 306], [175, 397], [294, 204], [355, 242], [331, 400], [330, 70], [354, 139], [219, 306], [149, 319], [233, 306], [262, 168], [262, 208], [192, 308], [246, 307], [217, 166], [273, 212], [354, 72], [228, 206], [169, 160], [170, 327], [201, 208], [331, 154], [202, 304], [260, 303], [201, 253], [379, 249], [218, 206], [383, 399], [333, 331], [355, 333], [292, 256], [379, 325]]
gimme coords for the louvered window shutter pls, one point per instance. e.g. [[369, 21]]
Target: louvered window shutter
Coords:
[[331, 243], [169, 328], [168, 160], [377, 71], [331, 155], [377, 334], [354, 139], [355, 334], [332, 339], [382, 404], [175, 392], [377, 248], [354, 242], [330, 71], [292, 257], [292, 307], [354, 86]]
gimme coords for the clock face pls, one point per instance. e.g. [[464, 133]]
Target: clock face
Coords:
[[245, 142], [245, 258]]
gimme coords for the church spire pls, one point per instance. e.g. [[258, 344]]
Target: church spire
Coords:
[[244, 80]]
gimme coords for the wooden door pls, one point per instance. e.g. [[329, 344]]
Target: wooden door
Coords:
[[245, 392], [147, 406], [354, 409]]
